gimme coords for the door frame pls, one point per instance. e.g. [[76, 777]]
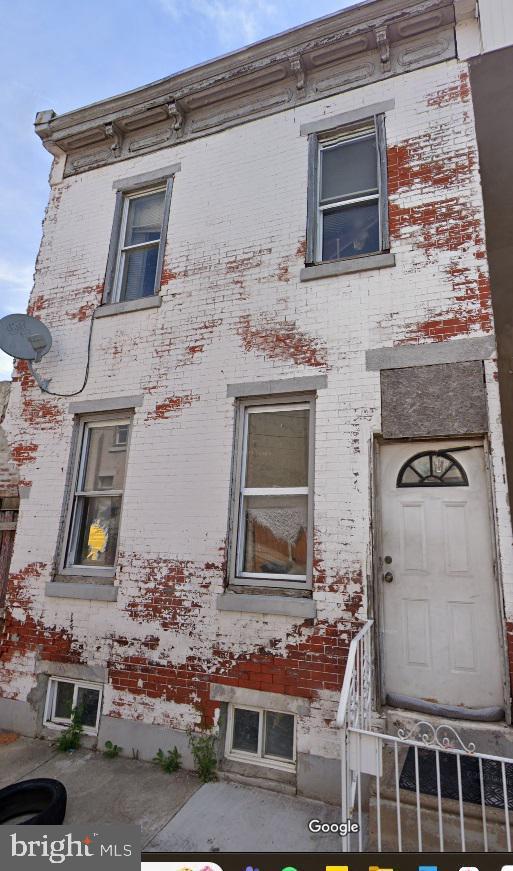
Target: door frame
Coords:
[[376, 526]]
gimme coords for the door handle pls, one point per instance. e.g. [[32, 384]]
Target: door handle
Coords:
[[388, 577]]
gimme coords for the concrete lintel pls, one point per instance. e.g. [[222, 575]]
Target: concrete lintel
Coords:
[[131, 305], [331, 122], [73, 670], [430, 353], [279, 385], [134, 182], [62, 590], [268, 701], [111, 403], [288, 606], [346, 267]]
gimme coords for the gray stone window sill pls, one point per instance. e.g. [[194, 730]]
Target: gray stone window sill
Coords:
[[132, 305], [288, 606], [67, 590], [346, 267]]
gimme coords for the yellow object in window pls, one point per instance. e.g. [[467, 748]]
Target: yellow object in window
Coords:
[[97, 541]]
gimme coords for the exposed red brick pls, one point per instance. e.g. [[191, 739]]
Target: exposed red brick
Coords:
[[283, 273], [171, 405], [192, 350], [167, 276], [454, 93], [280, 340], [41, 413], [301, 248], [246, 263], [449, 225], [159, 598], [24, 453], [470, 310], [37, 305], [416, 162], [314, 660], [23, 634]]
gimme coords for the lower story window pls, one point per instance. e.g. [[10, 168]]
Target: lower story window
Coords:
[[65, 696], [261, 736]]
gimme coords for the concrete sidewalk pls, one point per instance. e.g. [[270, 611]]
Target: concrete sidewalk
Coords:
[[175, 811]]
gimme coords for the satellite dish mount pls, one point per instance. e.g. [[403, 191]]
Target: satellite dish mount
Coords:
[[26, 338]]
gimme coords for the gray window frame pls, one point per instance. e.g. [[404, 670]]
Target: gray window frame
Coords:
[[317, 141], [67, 568], [126, 191], [237, 578]]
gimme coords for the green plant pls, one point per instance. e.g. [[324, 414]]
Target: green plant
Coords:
[[111, 750], [70, 738], [204, 754], [169, 762]]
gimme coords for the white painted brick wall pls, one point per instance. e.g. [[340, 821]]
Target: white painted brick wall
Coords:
[[241, 194]]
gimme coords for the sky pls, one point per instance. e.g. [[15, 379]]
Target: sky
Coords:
[[61, 56]]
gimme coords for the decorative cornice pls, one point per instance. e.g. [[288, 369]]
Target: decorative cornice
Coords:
[[360, 45]]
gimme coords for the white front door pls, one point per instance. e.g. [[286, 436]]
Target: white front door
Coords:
[[440, 612]]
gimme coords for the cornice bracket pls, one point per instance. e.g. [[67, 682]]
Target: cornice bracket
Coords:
[[383, 44], [176, 113], [114, 133], [298, 70]]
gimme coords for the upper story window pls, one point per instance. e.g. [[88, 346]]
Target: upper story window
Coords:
[[273, 518], [139, 243], [95, 510], [347, 209], [139, 232]]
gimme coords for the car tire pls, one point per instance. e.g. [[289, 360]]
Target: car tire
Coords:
[[37, 802]]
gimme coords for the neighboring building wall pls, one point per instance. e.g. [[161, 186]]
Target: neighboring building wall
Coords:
[[9, 478], [234, 310], [491, 77], [8, 470], [496, 22]]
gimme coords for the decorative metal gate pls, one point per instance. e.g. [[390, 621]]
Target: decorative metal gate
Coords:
[[422, 789]]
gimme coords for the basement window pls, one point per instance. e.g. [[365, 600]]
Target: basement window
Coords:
[[262, 737], [95, 510], [347, 207], [272, 544], [64, 696]]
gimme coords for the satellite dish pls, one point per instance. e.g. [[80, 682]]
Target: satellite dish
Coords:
[[24, 337]]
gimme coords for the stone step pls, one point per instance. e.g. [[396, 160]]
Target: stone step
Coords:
[[495, 739]]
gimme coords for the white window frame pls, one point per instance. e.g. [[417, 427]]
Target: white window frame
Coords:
[[258, 758], [237, 575], [117, 442], [319, 142], [54, 722], [123, 249], [69, 543]]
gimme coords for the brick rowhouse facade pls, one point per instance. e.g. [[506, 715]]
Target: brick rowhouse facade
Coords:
[[234, 309]]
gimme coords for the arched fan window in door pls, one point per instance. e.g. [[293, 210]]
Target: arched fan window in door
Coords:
[[432, 469]]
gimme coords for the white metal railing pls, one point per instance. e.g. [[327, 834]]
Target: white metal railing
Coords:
[[415, 790], [354, 711]]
